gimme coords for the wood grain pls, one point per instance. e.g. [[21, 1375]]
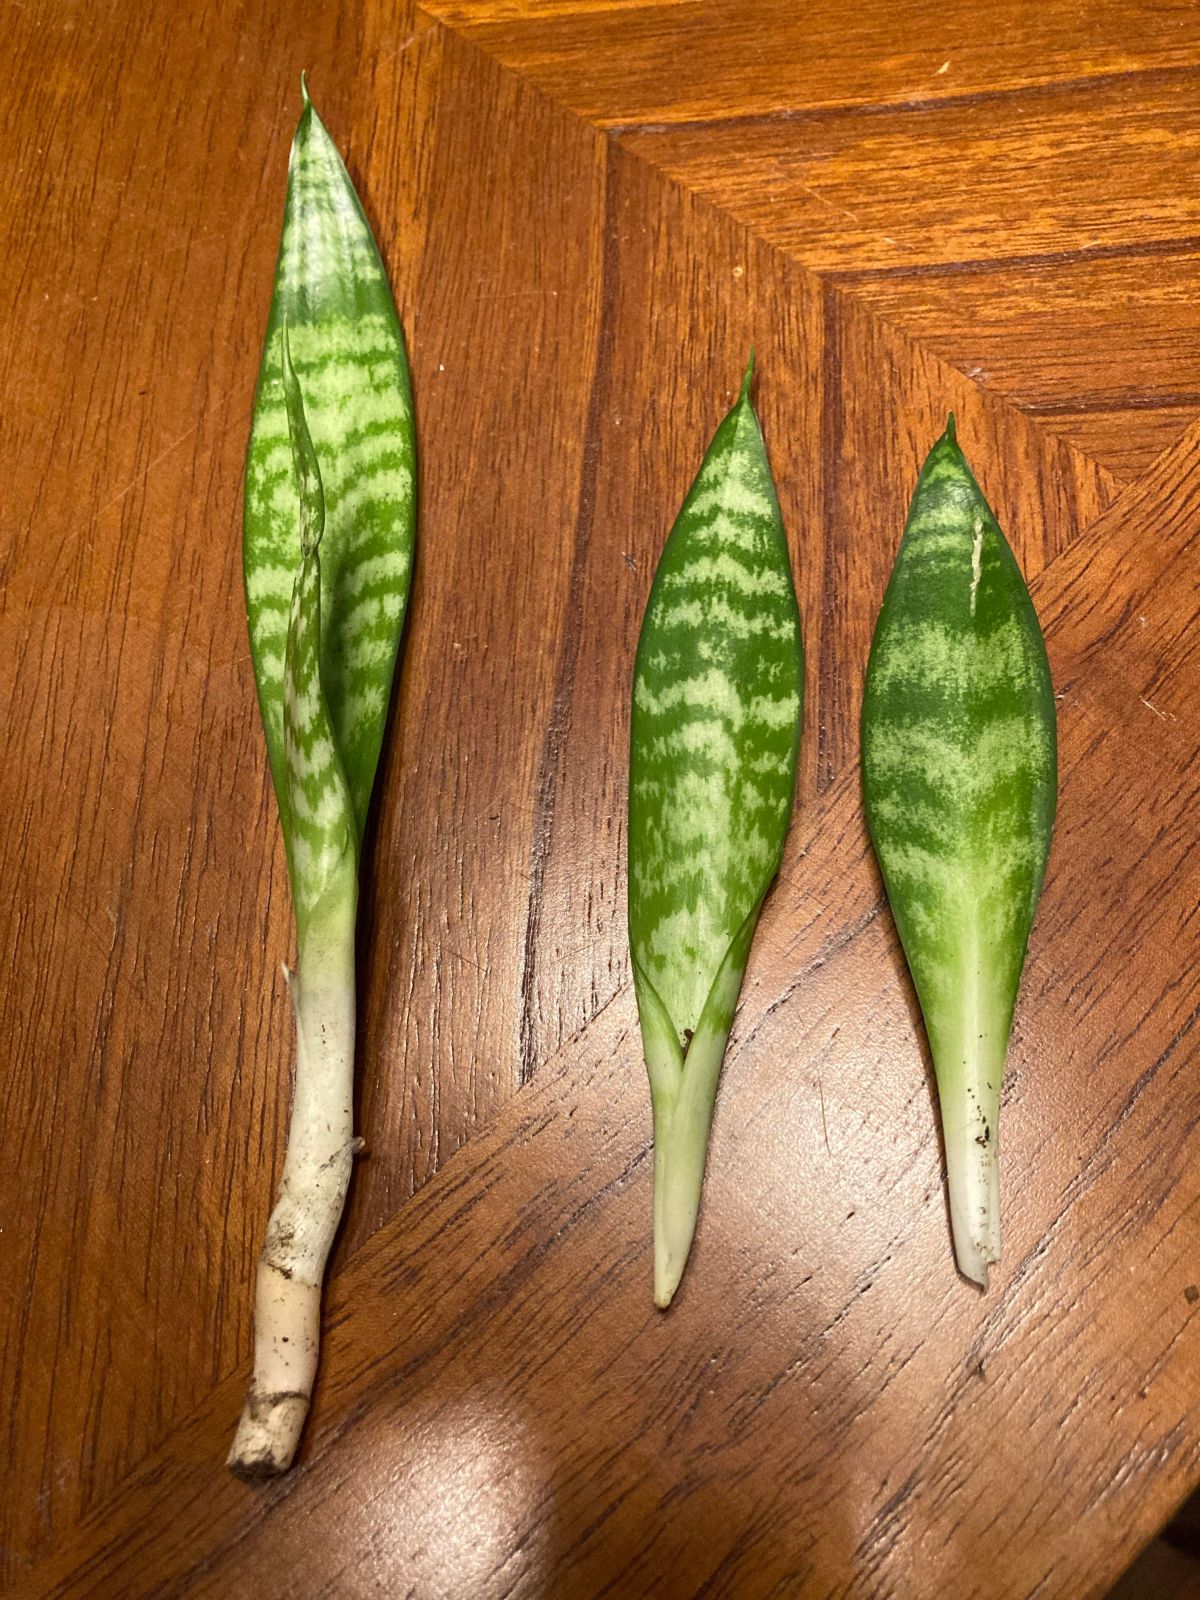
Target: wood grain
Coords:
[[821, 1310], [960, 195], [156, 1060], [624, 64], [462, 798], [144, 906], [844, 472], [1101, 347], [996, 191], [590, 212]]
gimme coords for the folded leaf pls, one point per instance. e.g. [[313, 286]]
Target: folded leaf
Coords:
[[327, 547], [323, 843], [348, 350], [960, 783], [717, 696]]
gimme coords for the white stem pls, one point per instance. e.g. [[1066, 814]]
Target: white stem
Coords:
[[681, 1129], [974, 1177], [970, 1104], [678, 1180], [312, 1193], [684, 1092]]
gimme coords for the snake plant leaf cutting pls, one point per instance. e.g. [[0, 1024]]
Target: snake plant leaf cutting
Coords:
[[960, 782], [328, 540], [715, 733]]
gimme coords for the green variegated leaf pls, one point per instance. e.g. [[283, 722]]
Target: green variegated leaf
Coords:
[[717, 697], [328, 536], [322, 842], [960, 784], [348, 350]]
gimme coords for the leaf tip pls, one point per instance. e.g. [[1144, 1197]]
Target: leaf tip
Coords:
[[305, 98], [748, 379], [667, 1275], [951, 433]]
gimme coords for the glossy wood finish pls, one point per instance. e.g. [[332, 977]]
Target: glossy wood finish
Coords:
[[590, 212]]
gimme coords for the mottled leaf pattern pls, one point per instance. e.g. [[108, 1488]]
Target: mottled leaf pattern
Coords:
[[345, 340], [715, 733], [960, 782], [322, 839], [327, 547]]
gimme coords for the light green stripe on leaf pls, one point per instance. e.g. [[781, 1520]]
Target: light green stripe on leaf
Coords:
[[960, 782], [348, 352], [327, 550], [715, 732], [322, 839]]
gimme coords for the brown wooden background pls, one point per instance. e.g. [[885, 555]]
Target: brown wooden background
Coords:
[[591, 209]]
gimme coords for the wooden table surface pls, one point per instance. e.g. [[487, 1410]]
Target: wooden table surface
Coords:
[[590, 210]]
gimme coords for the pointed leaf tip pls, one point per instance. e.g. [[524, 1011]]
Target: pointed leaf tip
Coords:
[[348, 350], [951, 433], [746, 381], [304, 94]]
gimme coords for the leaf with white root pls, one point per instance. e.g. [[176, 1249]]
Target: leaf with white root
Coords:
[[329, 514], [960, 783]]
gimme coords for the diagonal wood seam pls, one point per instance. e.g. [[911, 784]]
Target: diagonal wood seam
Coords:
[[1056, 88], [367, 1284], [364, 1265], [558, 723], [834, 295], [827, 285], [834, 291], [835, 284], [354, 1284]]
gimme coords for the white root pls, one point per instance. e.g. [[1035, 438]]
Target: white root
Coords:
[[312, 1193], [970, 1124]]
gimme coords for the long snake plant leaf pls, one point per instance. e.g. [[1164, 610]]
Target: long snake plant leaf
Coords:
[[960, 784], [715, 732], [328, 537], [323, 839], [348, 349]]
